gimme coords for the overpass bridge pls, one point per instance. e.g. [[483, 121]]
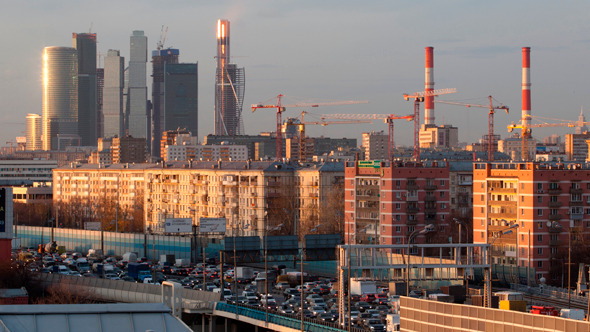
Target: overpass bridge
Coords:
[[191, 306]]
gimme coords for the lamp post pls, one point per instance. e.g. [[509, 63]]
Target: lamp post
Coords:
[[461, 225], [488, 275], [428, 228], [266, 229], [303, 250], [517, 281]]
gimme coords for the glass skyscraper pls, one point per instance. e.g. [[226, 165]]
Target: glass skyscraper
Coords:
[[60, 98], [181, 108], [114, 81], [160, 58], [85, 44], [137, 112]]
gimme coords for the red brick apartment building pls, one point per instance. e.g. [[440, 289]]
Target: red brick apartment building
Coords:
[[385, 202], [549, 202]]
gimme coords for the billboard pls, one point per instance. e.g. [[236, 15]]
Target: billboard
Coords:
[[212, 225], [92, 226], [178, 225]]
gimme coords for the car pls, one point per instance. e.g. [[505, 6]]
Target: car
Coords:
[[319, 302], [381, 298], [375, 325], [364, 317], [249, 295], [369, 298], [362, 306], [384, 309], [286, 310], [111, 276], [317, 310], [306, 314], [253, 302], [324, 289], [313, 296], [292, 303], [375, 313], [282, 285], [290, 292], [326, 317]]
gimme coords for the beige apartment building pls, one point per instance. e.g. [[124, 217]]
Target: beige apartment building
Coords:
[[248, 194]]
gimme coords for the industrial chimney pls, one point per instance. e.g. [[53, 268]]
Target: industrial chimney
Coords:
[[429, 86], [526, 87]]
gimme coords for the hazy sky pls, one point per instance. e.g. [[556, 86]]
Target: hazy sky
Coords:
[[328, 50]]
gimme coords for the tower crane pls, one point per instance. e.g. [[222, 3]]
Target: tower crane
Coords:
[[302, 123], [418, 97], [526, 130], [281, 108], [387, 118], [492, 109]]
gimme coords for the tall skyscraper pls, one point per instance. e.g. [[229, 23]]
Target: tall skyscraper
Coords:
[[34, 132], [85, 44], [114, 81], [160, 58], [137, 112], [60, 97], [181, 107], [99, 101], [229, 87]]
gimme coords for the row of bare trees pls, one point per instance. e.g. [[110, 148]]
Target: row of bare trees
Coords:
[[73, 214]]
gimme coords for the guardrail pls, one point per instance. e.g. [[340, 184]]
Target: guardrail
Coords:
[[554, 292], [289, 321]]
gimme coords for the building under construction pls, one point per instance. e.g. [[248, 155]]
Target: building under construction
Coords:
[[229, 87]]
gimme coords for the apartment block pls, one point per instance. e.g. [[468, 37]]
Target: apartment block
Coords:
[[375, 145], [576, 147], [461, 190], [549, 202], [247, 194], [386, 202]]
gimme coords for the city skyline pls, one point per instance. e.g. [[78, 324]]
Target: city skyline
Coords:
[[337, 51]]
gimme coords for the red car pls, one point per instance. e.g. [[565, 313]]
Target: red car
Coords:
[[369, 298]]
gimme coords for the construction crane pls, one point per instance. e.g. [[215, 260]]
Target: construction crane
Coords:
[[163, 35], [323, 123], [387, 118], [418, 97], [281, 108], [492, 109], [526, 131]]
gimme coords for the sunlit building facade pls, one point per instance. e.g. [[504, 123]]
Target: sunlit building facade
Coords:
[[34, 132]]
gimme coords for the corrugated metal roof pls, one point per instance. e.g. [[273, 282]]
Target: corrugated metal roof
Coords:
[[138, 317]]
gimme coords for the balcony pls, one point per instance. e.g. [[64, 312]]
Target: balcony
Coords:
[[576, 216], [430, 198], [430, 210], [554, 229], [576, 203], [502, 215], [430, 187], [554, 190], [554, 217], [502, 190], [503, 203], [554, 204], [412, 198], [412, 209], [575, 191], [274, 183], [553, 242], [412, 222], [412, 187]]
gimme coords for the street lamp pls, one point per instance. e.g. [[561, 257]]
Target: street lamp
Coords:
[[266, 229], [313, 230], [428, 228], [461, 225], [489, 269], [517, 281]]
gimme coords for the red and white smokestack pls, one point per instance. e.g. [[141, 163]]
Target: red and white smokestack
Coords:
[[429, 86], [526, 86]]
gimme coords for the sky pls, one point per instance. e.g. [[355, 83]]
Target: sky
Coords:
[[328, 51]]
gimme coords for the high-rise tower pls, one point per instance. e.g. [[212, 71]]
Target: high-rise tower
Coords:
[[160, 58], [60, 98], [114, 81], [229, 87], [85, 44], [137, 112], [181, 109], [34, 131]]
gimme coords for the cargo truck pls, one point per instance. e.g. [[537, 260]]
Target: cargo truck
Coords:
[[134, 269], [360, 287], [244, 273]]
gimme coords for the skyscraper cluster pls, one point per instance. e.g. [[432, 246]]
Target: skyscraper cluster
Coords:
[[82, 102]]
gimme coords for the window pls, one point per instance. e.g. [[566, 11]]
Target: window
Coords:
[[553, 251], [540, 264], [522, 212], [398, 229], [442, 183], [397, 184], [553, 199], [442, 194], [522, 186], [522, 251], [539, 212], [443, 206], [442, 217], [481, 210], [540, 199], [398, 206], [540, 238], [481, 235], [383, 206], [411, 228], [540, 225], [482, 198], [539, 251], [398, 195], [522, 198], [539, 186], [481, 223]]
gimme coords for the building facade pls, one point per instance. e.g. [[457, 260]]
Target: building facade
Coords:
[[34, 132], [114, 83], [85, 45], [576, 148], [60, 97], [548, 201], [181, 107], [435, 137], [376, 145], [386, 202], [137, 112], [128, 150]]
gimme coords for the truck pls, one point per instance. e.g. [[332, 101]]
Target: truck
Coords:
[[244, 273], [167, 260], [577, 314], [130, 257], [180, 262], [95, 255], [82, 265], [360, 287], [134, 269], [102, 269], [26, 256]]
